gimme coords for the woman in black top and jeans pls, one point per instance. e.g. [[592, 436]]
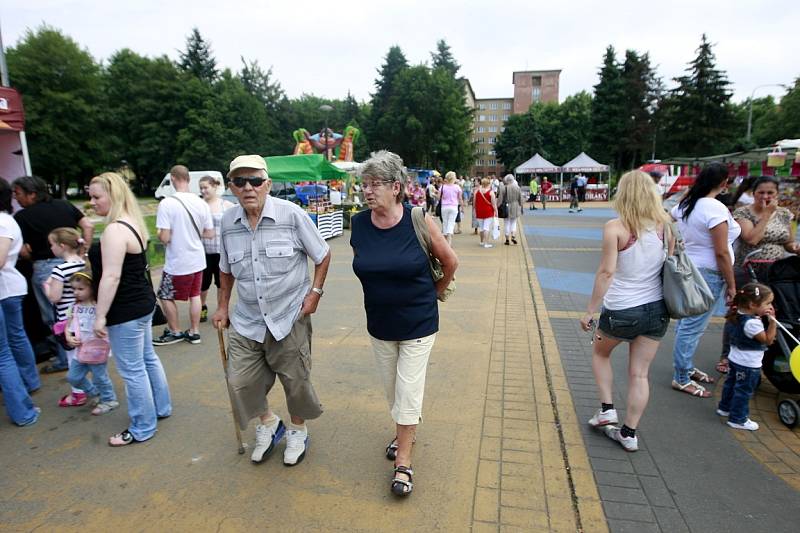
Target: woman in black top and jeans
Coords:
[[399, 298], [125, 304]]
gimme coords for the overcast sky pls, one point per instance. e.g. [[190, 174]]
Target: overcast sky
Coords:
[[328, 49]]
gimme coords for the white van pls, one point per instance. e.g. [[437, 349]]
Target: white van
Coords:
[[165, 189]]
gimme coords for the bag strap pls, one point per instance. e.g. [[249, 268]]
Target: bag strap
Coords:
[[196, 229], [135, 233], [147, 274], [421, 229]]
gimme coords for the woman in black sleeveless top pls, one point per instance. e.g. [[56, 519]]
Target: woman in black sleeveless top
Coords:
[[125, 304], [399, 299]]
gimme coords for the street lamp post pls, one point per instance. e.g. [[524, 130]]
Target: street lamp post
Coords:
[[326, 109], [750, 111]]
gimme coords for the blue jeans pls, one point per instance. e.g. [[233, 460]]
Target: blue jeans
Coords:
[[19, 405], [41, 273], [19, 344], [100, 384], [145, 381], [689, 330], [740, 385]]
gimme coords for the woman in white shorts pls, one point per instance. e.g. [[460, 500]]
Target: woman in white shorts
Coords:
[[450, 195]]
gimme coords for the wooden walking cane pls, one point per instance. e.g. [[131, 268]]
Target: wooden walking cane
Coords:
[[223, 354]]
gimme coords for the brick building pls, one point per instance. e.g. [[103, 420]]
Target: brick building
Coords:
[[491, 114]]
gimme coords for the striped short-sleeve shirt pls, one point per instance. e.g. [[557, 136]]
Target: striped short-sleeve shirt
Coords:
[[270, 265], [63, 273]]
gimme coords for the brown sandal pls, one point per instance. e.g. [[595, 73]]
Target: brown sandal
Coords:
[[693, 388], [722, 366]]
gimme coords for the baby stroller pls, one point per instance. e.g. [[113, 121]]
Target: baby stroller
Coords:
[[784, 279]]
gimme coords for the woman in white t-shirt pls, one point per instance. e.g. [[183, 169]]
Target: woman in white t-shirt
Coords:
[[709, 231], [18, 374]]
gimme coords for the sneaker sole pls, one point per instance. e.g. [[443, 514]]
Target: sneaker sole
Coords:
[[606, 423], [275, 440], [299, 459], [194, 341], [166, 343]]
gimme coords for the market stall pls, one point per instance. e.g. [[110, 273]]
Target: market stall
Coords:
[[583, 164], [538, 166], [311, 168]]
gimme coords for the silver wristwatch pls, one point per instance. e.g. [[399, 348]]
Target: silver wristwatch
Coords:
[[318, 290]]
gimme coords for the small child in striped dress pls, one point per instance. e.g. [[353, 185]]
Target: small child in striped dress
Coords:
[[65, 243]]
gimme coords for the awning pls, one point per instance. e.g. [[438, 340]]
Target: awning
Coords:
[[584, 163], [310, 167], [535, 165], [12, 118]]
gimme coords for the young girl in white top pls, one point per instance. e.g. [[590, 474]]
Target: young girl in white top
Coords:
[[66, 244], [749, 341], [629, 284], [89, 353]]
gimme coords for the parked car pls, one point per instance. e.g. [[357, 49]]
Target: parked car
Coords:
[[314, 191]]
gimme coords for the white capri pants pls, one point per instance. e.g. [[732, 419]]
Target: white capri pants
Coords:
[[485, 224], [511, 225], [402, 366], [449, 214]]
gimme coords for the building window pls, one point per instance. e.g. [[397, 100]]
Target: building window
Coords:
[[490, 140], [505, 117], [492, 162], [536, 94], [492, 118], [492, 129], [481, 129], [481, 118], [506, 105], [481, 106], [491, 152], [493, 105]]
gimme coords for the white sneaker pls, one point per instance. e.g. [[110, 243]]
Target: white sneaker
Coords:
[[487, 245], [266, 439], [748, 424], [720, 412], [629, 444], [601, 418], [296, 444]]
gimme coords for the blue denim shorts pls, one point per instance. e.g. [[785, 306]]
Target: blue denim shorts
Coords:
[[649, 320]]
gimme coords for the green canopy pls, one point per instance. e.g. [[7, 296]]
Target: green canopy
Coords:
[[311, 167]]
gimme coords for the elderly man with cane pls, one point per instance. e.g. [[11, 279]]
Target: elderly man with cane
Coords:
[[264, 247]]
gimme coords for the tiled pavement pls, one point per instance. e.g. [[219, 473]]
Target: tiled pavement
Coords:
[[636, 492]]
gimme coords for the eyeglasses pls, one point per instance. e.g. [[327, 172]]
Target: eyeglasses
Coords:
[[254, 181], [373, 184]]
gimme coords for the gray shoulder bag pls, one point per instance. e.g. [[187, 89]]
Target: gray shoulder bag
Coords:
[[424, 238], [686, 293]]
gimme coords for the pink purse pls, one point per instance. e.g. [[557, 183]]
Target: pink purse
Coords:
[[92, 352]]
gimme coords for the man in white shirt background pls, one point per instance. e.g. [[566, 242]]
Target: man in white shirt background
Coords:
[[182, 220]]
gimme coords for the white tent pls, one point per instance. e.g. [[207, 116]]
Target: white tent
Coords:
[[581, 163], [535, 165]]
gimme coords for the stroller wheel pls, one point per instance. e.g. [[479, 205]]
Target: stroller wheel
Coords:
[[789, 412]]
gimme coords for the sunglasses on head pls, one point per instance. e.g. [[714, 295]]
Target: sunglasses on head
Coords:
[[254, 181]]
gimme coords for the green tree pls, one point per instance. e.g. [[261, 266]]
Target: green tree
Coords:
[[443, 58], [198, 59], [230, 122], [642, 89], [698, 113], [148, 102], [394, 63], [62, 93], [608, 108]]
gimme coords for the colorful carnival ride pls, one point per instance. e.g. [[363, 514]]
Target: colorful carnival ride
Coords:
[[335, 146]]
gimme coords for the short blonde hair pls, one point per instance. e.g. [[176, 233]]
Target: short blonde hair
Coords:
[[450, 177], [69, 237], [123, 202], [638, 202], [485, 182]]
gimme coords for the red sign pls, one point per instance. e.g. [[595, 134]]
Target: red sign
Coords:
[[11, 115]]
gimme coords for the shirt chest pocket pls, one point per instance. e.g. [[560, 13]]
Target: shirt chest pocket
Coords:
[[280, 257], [236, 262]]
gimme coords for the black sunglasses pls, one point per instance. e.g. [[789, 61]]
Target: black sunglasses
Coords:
[[255, 181]]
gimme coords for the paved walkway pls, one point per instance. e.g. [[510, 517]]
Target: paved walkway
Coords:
[[692, 472], [500, 448]]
